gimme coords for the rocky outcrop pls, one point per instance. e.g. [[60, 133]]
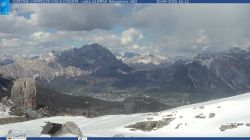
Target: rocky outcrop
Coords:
[[211, 115], [230, 126], [200, 116], [23, 93], [56, 129], [150, 125]]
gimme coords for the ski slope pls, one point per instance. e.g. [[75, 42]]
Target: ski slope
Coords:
[[185, 124]]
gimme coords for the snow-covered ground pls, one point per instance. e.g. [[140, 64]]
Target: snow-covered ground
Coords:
[[211, 114], [4, 111]]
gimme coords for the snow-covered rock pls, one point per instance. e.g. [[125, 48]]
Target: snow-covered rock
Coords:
[[5, 106], [146, 59]]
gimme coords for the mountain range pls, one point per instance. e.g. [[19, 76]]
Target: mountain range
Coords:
[[93, 70], [224, 72], [92, 81], [88, 60]]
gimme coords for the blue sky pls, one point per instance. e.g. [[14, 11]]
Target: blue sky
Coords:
[[169, 30]]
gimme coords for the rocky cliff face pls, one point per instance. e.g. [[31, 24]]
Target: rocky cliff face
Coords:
[[5, 86], [23, 93]]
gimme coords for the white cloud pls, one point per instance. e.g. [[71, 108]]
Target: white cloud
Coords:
[[130, 35], [11, 42], [166, 29], [44, 41], [41, 36], [135, 47], [14, 23], [126, 40]]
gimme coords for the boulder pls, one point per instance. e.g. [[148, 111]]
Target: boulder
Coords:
[[211, 115], [200, 116], [56, 129], [71, 128]]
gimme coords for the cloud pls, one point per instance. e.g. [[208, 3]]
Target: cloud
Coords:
[[14, 23], [38, 28], [74, 17], [129, 39], [135, 47], [193, 28], [63, 17], [130, 35], [170, 30], [41, 36], [7, 43], [40, 42]]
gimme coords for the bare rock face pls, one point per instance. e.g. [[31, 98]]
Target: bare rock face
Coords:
[[71, 128], [23, 93], [56, 129]]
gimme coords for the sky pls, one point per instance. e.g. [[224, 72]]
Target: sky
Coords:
[[170, 29]]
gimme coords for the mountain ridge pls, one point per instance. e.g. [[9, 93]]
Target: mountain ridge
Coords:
[[93, 69]]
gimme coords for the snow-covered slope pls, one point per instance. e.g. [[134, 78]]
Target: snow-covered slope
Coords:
[[4, 111], [198, 120]]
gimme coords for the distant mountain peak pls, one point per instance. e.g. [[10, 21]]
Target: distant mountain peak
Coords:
[[49, 57], [95, 58], [147, 58]]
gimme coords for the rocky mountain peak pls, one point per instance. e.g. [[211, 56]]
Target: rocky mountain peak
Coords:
[[49, 57], [94, 58], [86, 56]]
